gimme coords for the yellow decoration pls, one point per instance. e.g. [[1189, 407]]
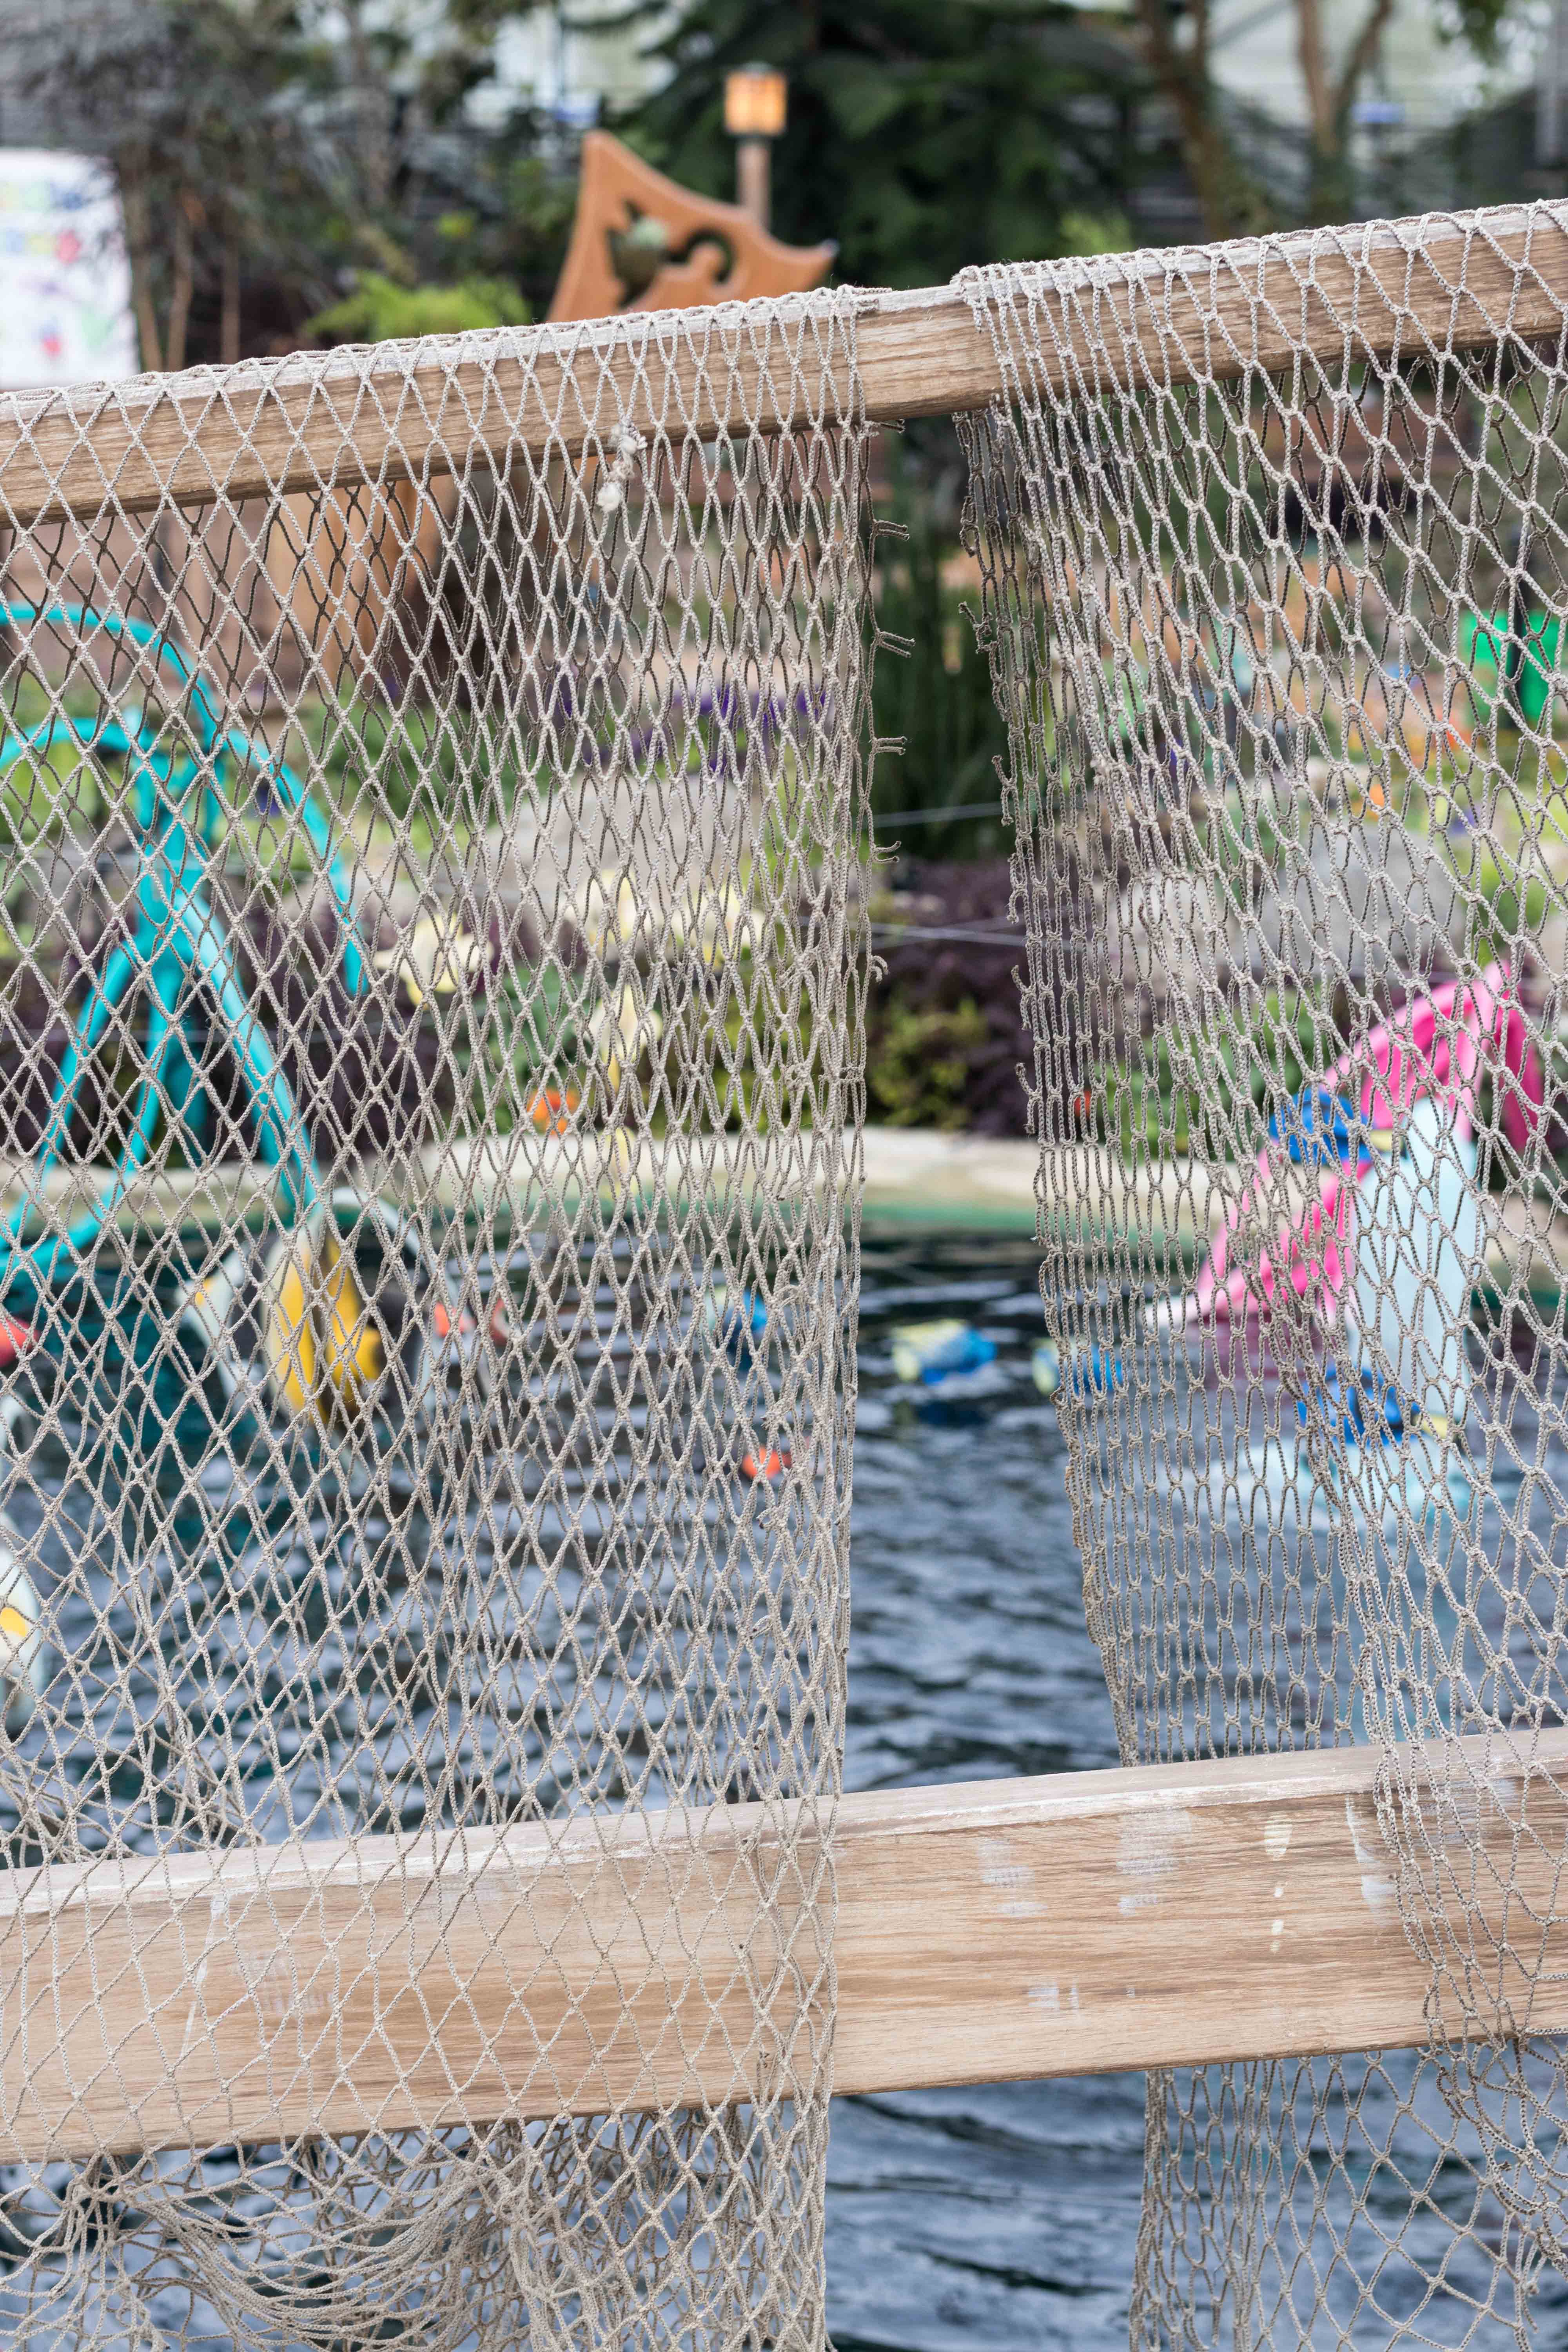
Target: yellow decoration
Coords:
[[433, 961], [609, 910], [623, 1033], [290, 1334], [713, 921], [642, 243], [355, 1355]]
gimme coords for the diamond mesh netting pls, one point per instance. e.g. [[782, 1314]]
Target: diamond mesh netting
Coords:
[[432, 1045], [1274, 556]]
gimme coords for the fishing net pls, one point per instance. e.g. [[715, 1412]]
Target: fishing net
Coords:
[[432, 795], [1275, 569]]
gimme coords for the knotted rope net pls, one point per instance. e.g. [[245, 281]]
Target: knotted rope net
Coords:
[[431, 782], [1274, 578]]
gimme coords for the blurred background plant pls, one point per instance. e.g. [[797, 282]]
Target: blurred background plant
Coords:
[[940, 710], [358, 170], [922, 134], [277, 160]]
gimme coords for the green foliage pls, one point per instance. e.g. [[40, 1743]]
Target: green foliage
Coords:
[[1508, 906], [270, 146], [1476, 23], [1163, 1097], [1090, 233], [917, 1073], [379, 311], [512, 222], [923, 134], [936, 699]]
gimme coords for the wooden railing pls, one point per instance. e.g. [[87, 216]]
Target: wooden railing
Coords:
[[1172, 1916], [265, 428]]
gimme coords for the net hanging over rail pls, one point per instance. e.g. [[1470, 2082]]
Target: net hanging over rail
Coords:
[[1274, 542], [431, 1030]]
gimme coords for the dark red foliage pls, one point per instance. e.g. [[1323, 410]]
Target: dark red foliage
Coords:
[[928, 973]]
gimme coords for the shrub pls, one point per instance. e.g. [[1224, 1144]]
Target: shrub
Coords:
[[379, 311], [953, 1002], [920, 1072]]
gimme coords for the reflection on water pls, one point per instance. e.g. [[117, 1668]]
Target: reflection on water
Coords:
[[1007, 2216]]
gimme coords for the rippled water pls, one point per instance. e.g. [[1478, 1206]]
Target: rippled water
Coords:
[[1004, 2216]]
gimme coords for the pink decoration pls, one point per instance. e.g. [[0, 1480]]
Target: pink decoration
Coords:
[[1432, 1045]]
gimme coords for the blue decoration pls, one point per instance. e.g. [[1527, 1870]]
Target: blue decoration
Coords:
[[931, 1353]]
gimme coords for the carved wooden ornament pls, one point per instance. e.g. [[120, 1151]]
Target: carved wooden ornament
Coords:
[[641, 242]]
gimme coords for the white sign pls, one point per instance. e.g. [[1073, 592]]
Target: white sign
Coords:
[[65, 277]]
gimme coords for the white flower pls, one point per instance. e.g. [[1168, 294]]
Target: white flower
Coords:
[[608, 909], [434, 960], [622, 1034]]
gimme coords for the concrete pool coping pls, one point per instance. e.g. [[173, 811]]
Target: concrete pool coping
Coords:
[[907, 1173], [913, 1176]]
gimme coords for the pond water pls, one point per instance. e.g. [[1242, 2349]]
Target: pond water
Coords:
[[998, 2217], [1004, 2216]]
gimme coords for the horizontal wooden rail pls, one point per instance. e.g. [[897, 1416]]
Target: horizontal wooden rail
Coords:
[[262, 429], [1065, 1925]]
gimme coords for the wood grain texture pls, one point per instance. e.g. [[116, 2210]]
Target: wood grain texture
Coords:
[[264, 430], [716, 252], [1064, 1925]]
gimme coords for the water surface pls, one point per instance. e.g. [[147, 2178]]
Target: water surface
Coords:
[[1007, 2216]]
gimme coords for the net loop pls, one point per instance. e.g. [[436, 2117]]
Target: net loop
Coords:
[[1272, 545], [430, 996]]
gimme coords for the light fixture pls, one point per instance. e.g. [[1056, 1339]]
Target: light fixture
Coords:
[[756, 101]]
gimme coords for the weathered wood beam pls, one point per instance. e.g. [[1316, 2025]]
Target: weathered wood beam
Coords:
[[263, 429], [1089, 1921]]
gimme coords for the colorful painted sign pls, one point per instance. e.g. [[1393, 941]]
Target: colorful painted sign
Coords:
[[65, 278]]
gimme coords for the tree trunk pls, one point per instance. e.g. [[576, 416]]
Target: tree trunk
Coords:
[[1233, 204], [371, 125], [180, 275], [1330, 194], [228, 337], [139, 250]]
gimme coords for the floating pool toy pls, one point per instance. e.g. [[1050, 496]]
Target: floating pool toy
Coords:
[[734, 1322], [1415, 1248], [1434, 1046], [1538, 659], [1046, 1364], [1365, 1410], [1417, 1253], [552, 1110], [931, 1353], [327, 1333], [17, 1421], [1094, 1372], [1315, 1127], [1497, 657], [23, 1657]]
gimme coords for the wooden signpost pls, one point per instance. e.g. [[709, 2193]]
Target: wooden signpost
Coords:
[[642, 243]]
